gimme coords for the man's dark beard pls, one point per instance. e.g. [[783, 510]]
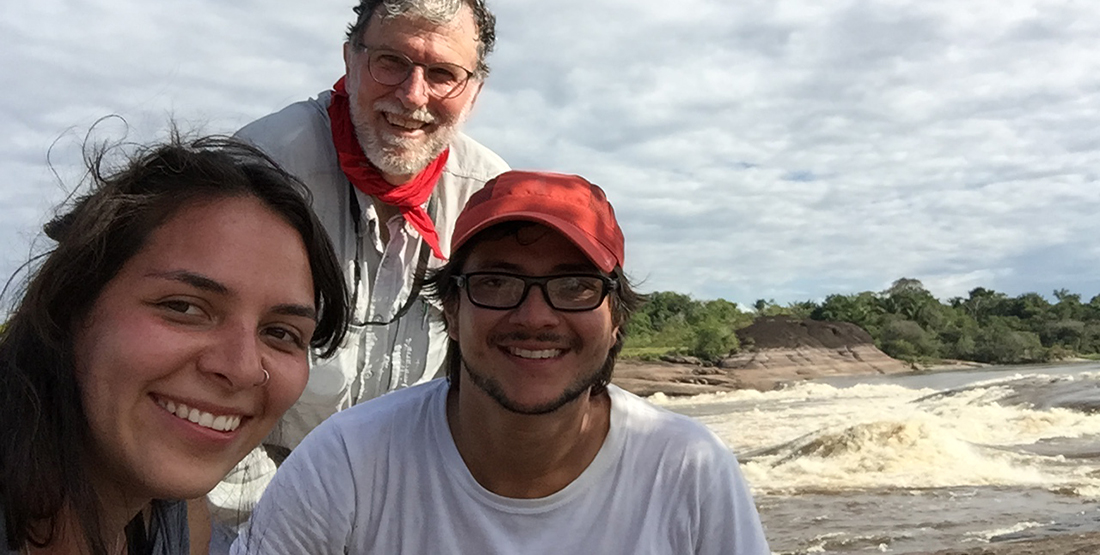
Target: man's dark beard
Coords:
[[492, 388]]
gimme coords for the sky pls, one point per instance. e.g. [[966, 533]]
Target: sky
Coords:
[[776, 149]]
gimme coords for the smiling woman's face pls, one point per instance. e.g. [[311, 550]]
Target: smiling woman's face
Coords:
[[171, 357]]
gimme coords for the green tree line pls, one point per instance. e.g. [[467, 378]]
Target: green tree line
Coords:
[[675, 323], [905, 320]]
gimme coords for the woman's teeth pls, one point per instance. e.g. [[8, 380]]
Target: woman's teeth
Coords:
[[221, 423]]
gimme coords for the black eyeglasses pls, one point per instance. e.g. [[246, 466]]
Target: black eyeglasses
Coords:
[[391, 68], [567, 293]]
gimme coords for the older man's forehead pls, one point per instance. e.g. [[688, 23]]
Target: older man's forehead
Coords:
[[423, 40], [463, 19]]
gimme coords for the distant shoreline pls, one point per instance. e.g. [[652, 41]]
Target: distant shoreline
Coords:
[[769, 369], [762, 370]]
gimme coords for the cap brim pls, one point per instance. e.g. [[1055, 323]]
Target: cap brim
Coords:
[[600, 255]]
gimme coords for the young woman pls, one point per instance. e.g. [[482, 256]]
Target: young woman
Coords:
[[156, 345]]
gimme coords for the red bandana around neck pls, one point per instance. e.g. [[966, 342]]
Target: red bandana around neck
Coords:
[[408, 197]]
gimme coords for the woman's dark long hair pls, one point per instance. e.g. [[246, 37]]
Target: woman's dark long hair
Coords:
[[44, 439]]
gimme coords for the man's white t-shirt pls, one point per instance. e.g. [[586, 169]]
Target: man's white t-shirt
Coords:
[[385, 477]]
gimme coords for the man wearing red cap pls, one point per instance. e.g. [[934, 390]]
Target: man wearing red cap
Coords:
[[526, 447], [389, 171]]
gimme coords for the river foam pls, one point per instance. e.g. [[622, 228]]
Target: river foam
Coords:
[[1006, 453]]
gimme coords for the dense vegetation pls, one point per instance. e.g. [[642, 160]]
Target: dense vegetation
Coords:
[[906, 321], [676, 323]]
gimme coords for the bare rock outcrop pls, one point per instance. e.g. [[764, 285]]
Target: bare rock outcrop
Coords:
[[784, 332], [791, 349]]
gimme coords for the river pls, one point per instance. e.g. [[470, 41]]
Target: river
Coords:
[[916, 463]]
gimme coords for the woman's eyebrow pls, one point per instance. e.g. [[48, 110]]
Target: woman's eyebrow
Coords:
[[191, 278], [200, 281], [296, 310]]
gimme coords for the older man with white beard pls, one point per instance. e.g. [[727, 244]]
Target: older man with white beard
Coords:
[[389, 172]]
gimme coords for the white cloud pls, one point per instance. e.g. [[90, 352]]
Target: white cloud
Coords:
[[781, 149]]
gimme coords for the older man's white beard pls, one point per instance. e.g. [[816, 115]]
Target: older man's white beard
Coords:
[[395, 155]]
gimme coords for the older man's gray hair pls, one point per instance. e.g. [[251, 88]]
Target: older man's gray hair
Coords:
[[438, 12]]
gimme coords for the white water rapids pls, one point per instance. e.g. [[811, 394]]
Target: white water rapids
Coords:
[[909, 464]]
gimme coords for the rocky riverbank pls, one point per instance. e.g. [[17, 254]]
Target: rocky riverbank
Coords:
[[778, 350]]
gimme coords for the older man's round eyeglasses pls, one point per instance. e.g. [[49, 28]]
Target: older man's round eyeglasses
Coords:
[[505, 291], [391, 68]]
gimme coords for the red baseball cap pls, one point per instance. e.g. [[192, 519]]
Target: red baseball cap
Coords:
[[568, 204]]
